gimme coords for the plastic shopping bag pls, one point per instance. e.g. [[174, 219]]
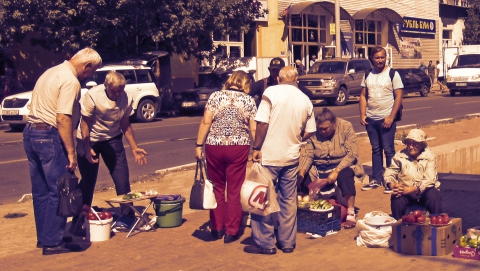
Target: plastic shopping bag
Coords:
[[373, 237], [258, 194]]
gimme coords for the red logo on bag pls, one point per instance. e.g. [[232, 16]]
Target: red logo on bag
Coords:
[[258, 197]]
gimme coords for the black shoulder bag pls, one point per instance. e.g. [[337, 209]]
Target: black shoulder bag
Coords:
[[70, 200]]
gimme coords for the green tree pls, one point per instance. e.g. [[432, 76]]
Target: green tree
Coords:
[[117, 28], [471, 33]]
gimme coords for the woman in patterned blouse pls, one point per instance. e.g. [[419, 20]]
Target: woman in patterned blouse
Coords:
[[226, 127]]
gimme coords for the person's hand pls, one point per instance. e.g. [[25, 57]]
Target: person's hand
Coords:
[[257, 156], [198, 153], [72, 162], [140, 156], [332, 177], [300, 178], [363, 120], [91, 156], [397, 189], [387, 122]]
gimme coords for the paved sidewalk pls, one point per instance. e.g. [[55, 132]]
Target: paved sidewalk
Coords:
[[190, 247]]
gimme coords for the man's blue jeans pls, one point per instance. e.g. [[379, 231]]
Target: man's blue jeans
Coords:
[[285, 179], [382, 140], [47, 162]]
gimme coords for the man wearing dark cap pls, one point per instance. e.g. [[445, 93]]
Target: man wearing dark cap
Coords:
[[258, 87]]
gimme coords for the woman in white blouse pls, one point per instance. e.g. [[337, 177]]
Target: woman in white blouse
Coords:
[[413, 176]]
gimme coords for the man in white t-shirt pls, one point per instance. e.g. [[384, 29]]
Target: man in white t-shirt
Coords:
[[380, 100], [284, 119], [105, 119]]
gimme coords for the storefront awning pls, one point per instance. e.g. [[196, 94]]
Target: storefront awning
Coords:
[[330, 7], [389, 14]]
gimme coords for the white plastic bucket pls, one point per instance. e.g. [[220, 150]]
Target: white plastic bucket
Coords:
[[99, 230]]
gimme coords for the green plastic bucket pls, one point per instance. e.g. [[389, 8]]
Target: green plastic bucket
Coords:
[[169, 213]]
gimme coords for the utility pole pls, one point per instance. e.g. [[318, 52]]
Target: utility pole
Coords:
[[338, 49]]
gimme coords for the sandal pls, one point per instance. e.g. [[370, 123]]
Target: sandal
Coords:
[[351, 221]]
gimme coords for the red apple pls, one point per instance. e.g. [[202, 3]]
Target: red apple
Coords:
[[92, 216], [446, 218], [108, 215], [434, 220], [421, 219], [411, 219], [417, 213], [440, 220], [101, 215]]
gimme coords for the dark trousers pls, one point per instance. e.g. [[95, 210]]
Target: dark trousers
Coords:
[[430, 199], [345, 182], [113, 155], [226, 167]]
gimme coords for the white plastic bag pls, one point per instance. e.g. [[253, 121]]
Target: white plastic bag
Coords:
[[369, 236], [258, 194]]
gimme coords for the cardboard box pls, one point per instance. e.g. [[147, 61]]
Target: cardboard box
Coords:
[[466, 253], [425, 239]]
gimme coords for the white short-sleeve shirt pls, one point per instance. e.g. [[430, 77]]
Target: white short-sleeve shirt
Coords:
[[288, 112], [105, 114]]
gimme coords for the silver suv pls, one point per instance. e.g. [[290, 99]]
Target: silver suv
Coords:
[[334, 80], [140, 84]]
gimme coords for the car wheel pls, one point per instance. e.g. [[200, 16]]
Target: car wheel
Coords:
[[341, 99], [146, 111], [424, 91], [17, 127], [452, 92]]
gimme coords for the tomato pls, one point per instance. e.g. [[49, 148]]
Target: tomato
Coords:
[[417, 213], [108, 215], [434, 220], [92, 216], [440, 220], [405, 218]]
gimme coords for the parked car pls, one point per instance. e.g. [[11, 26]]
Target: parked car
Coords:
[[334, 80], [212, 79], [140, 84], [414, 80]]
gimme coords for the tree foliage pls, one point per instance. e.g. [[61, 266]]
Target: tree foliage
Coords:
[[471, 33], [117, 28]]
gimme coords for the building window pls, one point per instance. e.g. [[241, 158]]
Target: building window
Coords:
[[368, 32], [308, 28]]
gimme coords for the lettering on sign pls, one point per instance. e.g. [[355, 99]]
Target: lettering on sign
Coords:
[[258, 197], [417, 25], [470, 253]]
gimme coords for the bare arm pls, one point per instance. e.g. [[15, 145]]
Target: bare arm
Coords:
[[202, 132], [363, 106], [65, 130], [138, 154], [261, 133], [253, 127]]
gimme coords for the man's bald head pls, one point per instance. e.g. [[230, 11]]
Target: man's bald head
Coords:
[[288, 74]]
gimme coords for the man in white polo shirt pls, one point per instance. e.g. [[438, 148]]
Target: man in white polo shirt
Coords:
[[284, 119], [105, 119]]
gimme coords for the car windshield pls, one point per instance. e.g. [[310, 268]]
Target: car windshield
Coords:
[[467, 61], [328, 67], [211, 80]]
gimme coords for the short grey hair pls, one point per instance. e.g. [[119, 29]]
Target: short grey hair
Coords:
[[88, 55], [288, 74], [114, 78]]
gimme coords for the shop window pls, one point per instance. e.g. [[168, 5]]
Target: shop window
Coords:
[[368, 32], [309, 28], [297, 35], [296, 20], [312, 20]]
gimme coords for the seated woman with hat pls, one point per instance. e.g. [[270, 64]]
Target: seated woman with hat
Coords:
[[413, 178]]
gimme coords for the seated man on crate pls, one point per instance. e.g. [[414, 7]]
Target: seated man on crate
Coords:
[[105, 119], [331, 159], [413, 176]]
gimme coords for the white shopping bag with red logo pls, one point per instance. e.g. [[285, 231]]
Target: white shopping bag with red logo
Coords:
[[258, 194]]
